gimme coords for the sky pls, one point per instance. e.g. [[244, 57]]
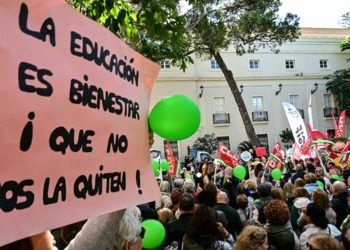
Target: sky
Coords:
[[317, 13]]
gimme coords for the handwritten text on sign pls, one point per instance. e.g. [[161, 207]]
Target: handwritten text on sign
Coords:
[[74, 136]]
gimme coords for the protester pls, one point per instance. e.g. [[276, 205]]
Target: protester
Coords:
[[204, 232], [279, 233], [317, 222], [299, 182], [244, 211], [345, 236], [264, 191], [176, 229], [300, 203], [310, 180], [235, 225], [321, 241], [165, 215], [252, 238], [288, 190], [299, 173], [165, 200], [339, 201]]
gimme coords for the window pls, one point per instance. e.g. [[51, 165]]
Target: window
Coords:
[[328, 101], [254, 64], [214, 64], [219, 105], [294, 100], [323, 64], [224, 140], [258, 103], [290, 64], [165, 64], [174, 148], [264, 141]]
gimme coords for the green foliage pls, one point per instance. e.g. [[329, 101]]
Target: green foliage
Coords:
[[247, 25], [206, 143], [287, 137], [345, 20], [246, 146], [155, 28], [345, 44], [338, 84]]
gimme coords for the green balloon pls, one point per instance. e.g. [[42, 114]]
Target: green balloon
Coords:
[[154, 234], [164, 165], [335, 177], [155, 165], [276, 174], [320, 185], [239, 172], [256, 201], [175, 118]]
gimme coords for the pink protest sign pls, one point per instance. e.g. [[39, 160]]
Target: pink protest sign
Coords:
[[74, 133]]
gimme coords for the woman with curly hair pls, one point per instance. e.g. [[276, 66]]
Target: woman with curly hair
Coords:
[[252, 238], [204, 232], [279, 233], [322, 241]]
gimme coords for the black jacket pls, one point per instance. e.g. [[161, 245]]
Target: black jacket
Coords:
[[176, 229], [340, 207]]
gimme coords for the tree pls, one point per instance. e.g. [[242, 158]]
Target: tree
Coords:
[[287, 137], [214, 25], [345, 20], [155, 28], [338, 84], [206, 143]]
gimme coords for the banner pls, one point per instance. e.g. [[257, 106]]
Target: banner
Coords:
[[171, 159], [74, 119], [226, 155], [296, 124], [337, 132], [260, 151]]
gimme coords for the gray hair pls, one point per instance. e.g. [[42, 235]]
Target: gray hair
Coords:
[[129, 228], [164, 186], [189, 186]]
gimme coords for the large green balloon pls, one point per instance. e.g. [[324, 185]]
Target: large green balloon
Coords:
[[276, 174], [154, 234], [175, 118], [239, 172], [164, 165]]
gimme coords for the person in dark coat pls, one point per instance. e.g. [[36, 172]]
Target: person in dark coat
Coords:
[[176, 229], [299, 173], [339, 201], [235, 225]]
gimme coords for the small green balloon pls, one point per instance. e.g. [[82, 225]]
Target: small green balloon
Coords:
[[256, 201], [320, 185], [239, 172], [154, 234], [156, 172], [175, 118], [335, 177], [276, 174], [164, 165], [155, 165]]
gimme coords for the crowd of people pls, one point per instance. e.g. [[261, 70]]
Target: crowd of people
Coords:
[[207, 207]]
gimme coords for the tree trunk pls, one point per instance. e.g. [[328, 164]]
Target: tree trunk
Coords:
[[238, 98]]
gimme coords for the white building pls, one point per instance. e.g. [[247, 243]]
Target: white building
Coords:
[[266, 79]]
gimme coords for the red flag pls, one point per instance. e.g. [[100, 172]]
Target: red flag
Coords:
[[315, 134], [336, 128], [171, 159], [296, 151], [260, 151], [341, 127], [277, 150], [306, 146], [226, 155]]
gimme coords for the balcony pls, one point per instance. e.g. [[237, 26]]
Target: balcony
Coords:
[[301, 111], [260, 116], [222, 118], [327, 112]]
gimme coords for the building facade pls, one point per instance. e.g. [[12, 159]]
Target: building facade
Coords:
[[266, 80]]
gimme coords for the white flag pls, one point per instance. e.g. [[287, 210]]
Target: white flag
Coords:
[[309, 111], [296, 124]]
